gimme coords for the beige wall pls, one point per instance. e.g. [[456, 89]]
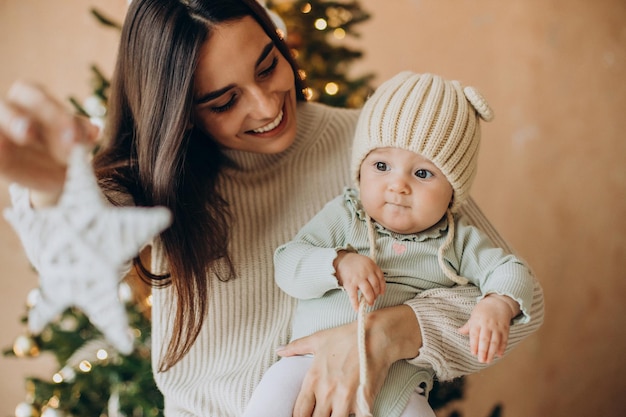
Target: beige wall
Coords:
[[552, 172]]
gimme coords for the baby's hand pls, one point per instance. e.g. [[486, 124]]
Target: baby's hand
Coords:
[[359, 273], [488, 326]]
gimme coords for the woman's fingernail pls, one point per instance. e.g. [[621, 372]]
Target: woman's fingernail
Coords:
[[67, 136], [19, 127], [280, 348], [94, 130]]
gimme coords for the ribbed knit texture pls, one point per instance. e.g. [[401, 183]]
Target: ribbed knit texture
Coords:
[[428, 115], [249, 316]]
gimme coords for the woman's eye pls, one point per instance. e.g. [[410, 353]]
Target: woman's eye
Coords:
[[270, 69], [423, 173], [381, 166], [225, 107]]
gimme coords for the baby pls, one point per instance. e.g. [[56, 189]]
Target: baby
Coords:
[[397, 233]]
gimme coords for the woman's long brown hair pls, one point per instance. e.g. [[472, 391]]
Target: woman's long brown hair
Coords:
[[151, 153]]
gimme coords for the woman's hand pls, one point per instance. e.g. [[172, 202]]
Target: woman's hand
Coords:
[[36, 135], [330, 386]]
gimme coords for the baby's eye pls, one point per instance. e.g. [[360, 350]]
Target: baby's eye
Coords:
[[381, 166], [423, 173]]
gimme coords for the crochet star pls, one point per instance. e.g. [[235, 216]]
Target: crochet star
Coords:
[[81, 249]]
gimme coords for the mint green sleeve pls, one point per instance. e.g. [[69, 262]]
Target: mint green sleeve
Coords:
[[492, 268], [304, 266]]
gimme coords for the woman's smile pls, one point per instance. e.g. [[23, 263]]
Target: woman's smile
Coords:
[[270, 126]]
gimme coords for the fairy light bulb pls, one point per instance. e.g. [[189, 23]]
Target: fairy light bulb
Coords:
[[33, 297], [321, 24], [102, 354], [26, 410], [85, 366], [339, 33], [306, 8], [331, 88], [25, 346]]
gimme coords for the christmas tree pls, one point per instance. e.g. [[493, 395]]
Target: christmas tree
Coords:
[[93, 379], [317, 32]]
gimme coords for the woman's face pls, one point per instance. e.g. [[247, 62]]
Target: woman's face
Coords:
[[244, 93]]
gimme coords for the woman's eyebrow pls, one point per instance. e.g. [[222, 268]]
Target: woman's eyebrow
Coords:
[[264, 53], [215, 94]]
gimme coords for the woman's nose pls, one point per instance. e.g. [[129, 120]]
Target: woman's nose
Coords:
[[263, 104]]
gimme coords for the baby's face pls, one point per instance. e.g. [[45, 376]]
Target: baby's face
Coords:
[[403, 191]]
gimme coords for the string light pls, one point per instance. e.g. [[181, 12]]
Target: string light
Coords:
[[102, 354], [54, 402], [85, 366], [25, 347], [67, 374], [331, 88], [26, 410], [339, 33], [306, 8], [33, 297], [321, 24]]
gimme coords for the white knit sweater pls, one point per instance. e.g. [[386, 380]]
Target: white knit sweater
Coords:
[[271, 197]]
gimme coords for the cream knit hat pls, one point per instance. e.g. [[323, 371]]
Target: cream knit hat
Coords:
[[429, 115]]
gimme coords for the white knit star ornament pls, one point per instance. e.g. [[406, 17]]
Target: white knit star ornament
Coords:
[[81, 248]]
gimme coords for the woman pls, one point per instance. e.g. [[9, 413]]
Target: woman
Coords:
[[207, 117]]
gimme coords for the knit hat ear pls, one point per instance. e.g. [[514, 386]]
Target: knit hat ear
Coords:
[[479, 103], [428, 115]]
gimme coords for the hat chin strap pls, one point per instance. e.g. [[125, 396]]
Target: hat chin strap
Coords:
[[361, 402], [450, 273]]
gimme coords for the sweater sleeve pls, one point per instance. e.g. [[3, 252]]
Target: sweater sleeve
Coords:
[[304, 266], [442, 311]]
